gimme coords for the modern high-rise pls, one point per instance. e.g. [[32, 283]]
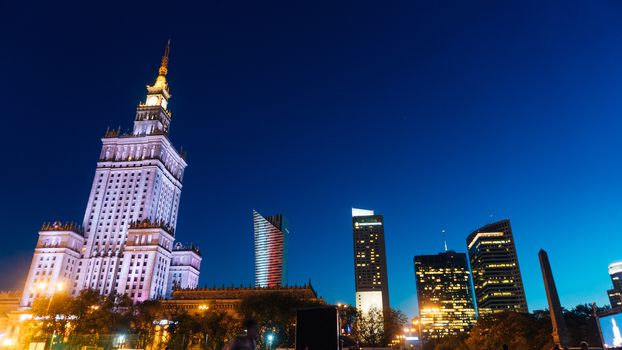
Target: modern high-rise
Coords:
[[496, 274], [444, 294], [615, 294], [125, 244], [370, 261], [271, 235]]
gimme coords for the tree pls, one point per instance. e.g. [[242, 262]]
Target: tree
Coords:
[[520, 331], [53, 313], [186, 330], [142, 321], [582, 325], [370, 328], [219, 328], [348, 315], [276, 312], [394, 323], [454, 342]]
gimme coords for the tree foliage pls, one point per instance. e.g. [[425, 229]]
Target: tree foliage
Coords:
[[276, 313], [394, 323], [375, 328], [370, 328], [522, 331]]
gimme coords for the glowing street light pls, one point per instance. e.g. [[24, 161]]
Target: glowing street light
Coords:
[[270, 339]]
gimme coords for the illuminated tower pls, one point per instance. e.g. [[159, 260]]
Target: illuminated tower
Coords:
[[54, 262], [271, 235], [185, 266], [615, 272], [496, 275], [370, 261], [131, 214], [444, 294]]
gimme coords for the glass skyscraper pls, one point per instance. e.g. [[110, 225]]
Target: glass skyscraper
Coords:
[[271, 234], [370, 262], [615, 272], [497, 279], [444, 294]]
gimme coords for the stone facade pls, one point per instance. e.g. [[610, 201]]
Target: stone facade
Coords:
[[126, 243], [227, 299]]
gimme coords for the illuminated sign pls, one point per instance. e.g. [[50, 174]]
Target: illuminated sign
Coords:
[[610, 327]]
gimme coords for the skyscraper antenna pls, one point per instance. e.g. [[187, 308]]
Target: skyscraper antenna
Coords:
[[444, 239]]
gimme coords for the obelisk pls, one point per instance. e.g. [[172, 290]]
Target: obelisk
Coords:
[[560, 332]]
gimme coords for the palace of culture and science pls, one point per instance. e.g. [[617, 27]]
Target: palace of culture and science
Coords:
[[127, 241]]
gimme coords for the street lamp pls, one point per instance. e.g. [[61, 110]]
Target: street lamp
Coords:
[[58, 287], [270, 338]]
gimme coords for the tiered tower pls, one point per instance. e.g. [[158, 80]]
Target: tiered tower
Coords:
[[54, 262], [131, 214], [185, 267]]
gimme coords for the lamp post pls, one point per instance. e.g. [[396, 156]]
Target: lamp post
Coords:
[[270, 338], [58, 287], [417, 323]]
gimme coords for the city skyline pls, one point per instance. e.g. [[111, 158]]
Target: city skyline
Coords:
[[434, 130]]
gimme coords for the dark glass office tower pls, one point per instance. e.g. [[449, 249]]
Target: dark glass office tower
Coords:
[[271, 234], [444, 294], [370, 262], [615, 294], [496, 275]]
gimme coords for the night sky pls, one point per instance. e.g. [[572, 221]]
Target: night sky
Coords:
[[435, 114]]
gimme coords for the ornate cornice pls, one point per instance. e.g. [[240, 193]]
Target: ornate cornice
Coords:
[[179, 247], [148, 224], [62, 226]]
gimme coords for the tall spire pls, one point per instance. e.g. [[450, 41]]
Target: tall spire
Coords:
[[164, 64], [160, 86], [153, 115]]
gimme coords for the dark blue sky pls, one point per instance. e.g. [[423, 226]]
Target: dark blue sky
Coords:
[[435, 114]]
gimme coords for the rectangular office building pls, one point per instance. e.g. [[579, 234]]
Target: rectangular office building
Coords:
[[497, 279], [444, 294]]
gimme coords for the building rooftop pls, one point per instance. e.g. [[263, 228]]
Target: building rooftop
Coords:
[[180, 247], [305, 291], [62, 226], [146, 223]]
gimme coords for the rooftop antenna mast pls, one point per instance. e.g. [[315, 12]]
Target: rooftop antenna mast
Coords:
[[444, 239]]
